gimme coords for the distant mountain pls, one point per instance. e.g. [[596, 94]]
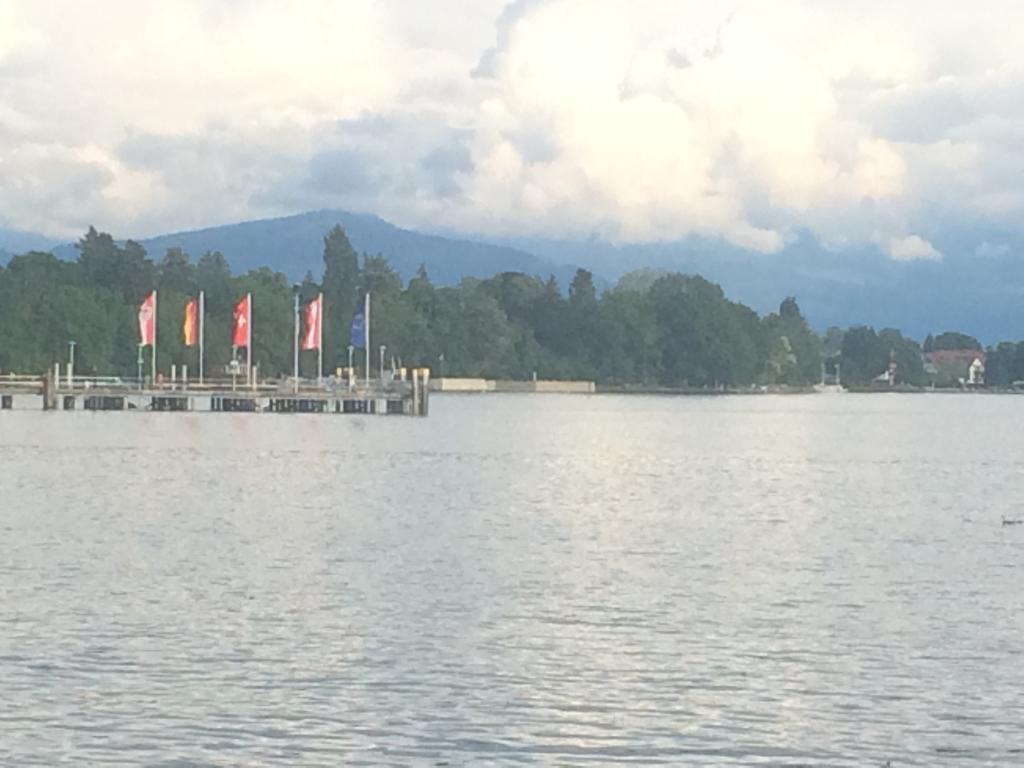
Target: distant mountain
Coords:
[[13, 241], [978, 289], [294, 245]]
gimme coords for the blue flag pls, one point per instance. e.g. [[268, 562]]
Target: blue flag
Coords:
[[358, 330]]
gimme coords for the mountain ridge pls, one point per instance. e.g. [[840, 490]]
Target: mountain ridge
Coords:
[[14, 241], [982, 295], [294, 245]]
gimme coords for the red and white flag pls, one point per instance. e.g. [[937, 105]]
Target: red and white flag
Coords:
[[147, 320], [242, 336], [314, 334]]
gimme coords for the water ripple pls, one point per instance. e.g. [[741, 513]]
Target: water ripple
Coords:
[[571, 581]]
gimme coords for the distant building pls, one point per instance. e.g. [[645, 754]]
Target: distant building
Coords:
[[957, 367], [976, 373], [888, 377]]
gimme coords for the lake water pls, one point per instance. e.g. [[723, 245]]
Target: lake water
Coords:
[[805, 580]]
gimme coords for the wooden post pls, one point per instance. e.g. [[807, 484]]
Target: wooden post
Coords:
[[425, 394], [49, 389]]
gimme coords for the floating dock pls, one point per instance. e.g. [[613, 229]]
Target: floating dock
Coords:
[[406, 393]]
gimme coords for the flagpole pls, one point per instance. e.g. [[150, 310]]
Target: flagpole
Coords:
[[202, 329], [320, 343], [295, 381], [152, 382], [366, 336]]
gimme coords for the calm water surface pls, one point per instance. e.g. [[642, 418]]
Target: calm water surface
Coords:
[[819, 580]]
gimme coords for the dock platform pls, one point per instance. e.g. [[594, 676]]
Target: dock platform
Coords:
[[407, 393]]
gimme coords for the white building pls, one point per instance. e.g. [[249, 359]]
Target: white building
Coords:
[[976, 373]]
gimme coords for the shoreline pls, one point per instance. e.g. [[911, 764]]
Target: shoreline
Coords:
[[612, 389]]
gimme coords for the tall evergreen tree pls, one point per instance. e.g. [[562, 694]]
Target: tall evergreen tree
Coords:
[[341, 284]]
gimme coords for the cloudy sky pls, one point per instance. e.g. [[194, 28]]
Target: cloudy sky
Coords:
[[863, 122]]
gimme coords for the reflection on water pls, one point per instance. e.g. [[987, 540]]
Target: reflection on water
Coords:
[[732, 581]]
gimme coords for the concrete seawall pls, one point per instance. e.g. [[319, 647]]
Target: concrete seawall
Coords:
[[461, 385], [480, 386]]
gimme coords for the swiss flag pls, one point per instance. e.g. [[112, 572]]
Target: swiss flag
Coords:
[[314, 323], [242, 337], [147, 320]]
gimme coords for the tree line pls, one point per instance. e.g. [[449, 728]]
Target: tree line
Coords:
[[652, 329]]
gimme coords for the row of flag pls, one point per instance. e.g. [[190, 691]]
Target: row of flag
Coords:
[[312, 336]]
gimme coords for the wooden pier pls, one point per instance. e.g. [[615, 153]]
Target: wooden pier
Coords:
[[406, 393]]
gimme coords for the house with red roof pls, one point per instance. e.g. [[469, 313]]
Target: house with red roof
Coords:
[[957, 367]]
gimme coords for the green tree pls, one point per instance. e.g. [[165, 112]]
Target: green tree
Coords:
[[552, 330], [787, 334], [954, 340], [420, 345], [706, 340], [477, 338], [1004, 364], [99, 258], [213, 277], [833, 341], [176, 273], [341, 286], [907, 355], [653, 328], [517, 296], [629, 338], [390, 315], [273, 320], [582, 319], [863, 356]]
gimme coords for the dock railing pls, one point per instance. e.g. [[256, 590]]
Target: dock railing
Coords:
[[409, 389]]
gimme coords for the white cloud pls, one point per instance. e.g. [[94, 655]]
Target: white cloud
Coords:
[[630, 119], [912, 248]]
